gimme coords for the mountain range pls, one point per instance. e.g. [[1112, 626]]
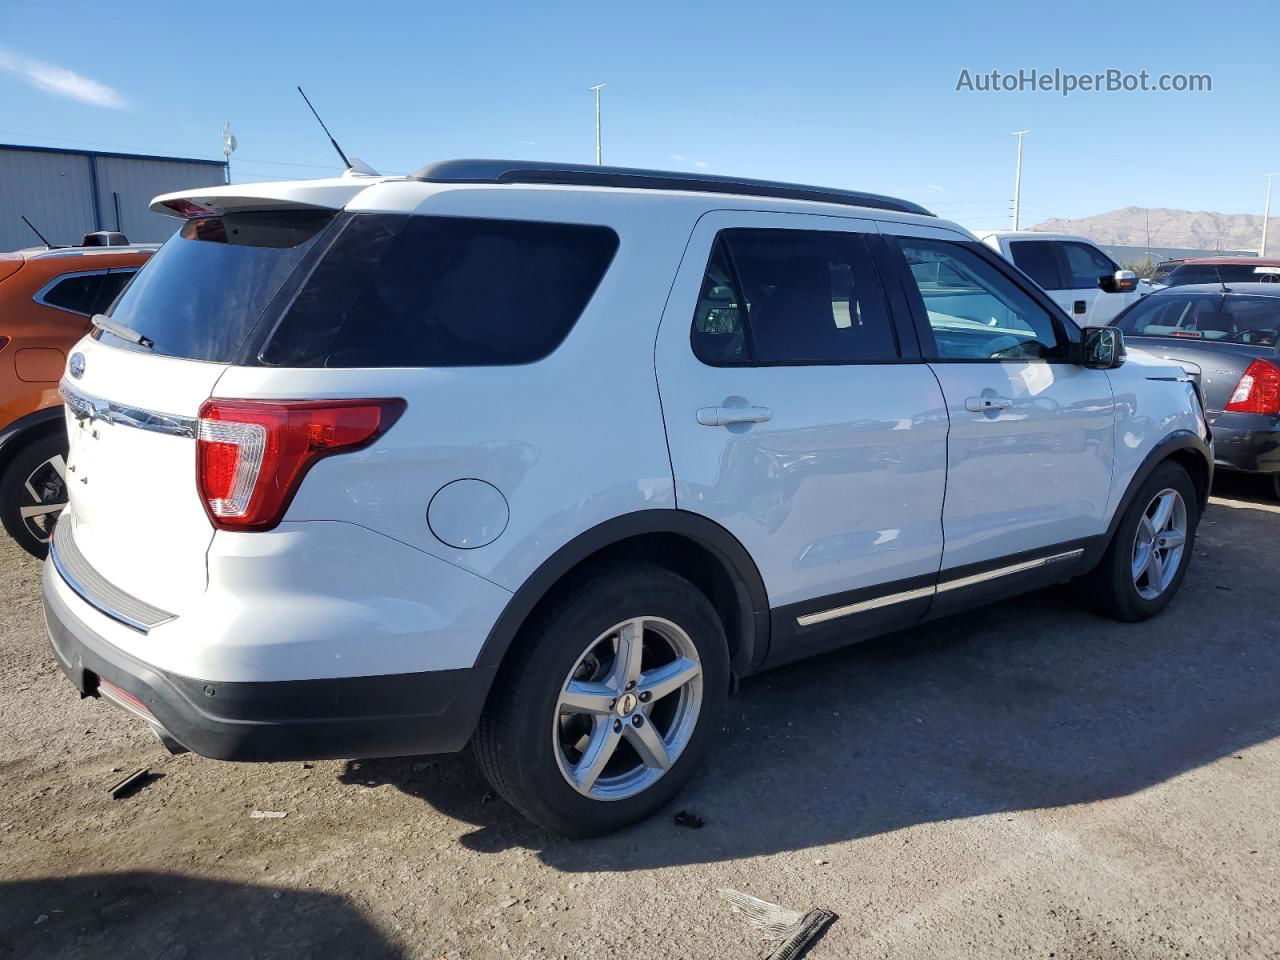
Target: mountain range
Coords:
[[1160, 227]]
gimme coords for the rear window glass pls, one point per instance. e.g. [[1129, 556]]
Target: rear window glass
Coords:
[[1205, 316], [205, 289], [397, 291]]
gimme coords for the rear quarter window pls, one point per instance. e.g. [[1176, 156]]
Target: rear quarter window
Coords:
[[421, 291]]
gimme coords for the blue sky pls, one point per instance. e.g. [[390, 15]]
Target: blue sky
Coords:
[[844, 94]]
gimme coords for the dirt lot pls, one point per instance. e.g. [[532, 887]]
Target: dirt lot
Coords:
[[1024, 781]]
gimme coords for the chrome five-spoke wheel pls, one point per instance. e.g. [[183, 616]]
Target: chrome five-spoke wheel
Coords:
[[628, 708], [1159, 543]]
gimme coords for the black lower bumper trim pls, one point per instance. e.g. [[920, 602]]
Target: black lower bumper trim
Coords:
[[381, 716]]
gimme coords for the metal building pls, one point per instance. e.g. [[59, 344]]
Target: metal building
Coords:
[[68, 193]]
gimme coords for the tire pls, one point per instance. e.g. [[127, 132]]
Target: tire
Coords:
[[34, 478], [1116, 590], [529, 743]]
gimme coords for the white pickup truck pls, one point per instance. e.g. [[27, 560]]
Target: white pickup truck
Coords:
[[1083, 280]]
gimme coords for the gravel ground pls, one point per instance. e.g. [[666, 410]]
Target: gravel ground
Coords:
[[1023, 781]]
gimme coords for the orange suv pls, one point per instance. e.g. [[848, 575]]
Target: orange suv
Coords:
[[46, 299]]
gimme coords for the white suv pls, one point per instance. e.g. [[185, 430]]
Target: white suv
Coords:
[[543, 458]]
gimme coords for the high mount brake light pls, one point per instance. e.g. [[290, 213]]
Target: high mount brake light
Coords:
[[1258, 391], [251, 455]]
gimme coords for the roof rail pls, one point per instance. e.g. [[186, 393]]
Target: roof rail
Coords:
[[585, 175]]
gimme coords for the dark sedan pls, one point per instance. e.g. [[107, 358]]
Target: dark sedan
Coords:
[[1225, 336]]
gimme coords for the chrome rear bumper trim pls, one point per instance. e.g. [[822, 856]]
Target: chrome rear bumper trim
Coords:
[[95, 589]]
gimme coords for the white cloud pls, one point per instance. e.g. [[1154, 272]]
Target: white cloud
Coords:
[[937, 189], [701, 164], [61, 82]]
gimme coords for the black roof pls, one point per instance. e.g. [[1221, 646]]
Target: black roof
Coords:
[[587, 175]]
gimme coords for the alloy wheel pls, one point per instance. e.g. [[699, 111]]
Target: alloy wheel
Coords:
[[45, 494], [628, 708], [1159, 543]]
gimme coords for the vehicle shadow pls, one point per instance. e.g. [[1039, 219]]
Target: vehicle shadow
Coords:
[[1034, 703], [152, 914]]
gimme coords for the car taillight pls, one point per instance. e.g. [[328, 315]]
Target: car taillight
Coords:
[[1258, 391], [251, 455]]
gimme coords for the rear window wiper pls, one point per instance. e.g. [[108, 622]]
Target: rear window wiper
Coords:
[[103, 322]]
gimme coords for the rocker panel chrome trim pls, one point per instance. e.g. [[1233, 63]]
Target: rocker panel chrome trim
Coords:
[[835, 613], [809, 619]]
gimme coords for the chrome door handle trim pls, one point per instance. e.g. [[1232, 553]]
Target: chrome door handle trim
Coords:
[[987, 404], [723, 416]]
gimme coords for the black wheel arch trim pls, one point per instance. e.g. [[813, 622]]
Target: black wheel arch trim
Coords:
[[17, 434], [750, 598], [1174, 443]]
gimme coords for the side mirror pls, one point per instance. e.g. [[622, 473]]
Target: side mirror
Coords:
[[1103, 348], [1122, 281]]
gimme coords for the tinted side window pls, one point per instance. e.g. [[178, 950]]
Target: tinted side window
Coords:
[[77, 294], [1085, 264], [443, 292], [975, 311], [810, 296], [1038, 260], [719, 334], [109, 289]]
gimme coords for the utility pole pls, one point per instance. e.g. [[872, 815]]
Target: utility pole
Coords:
[[1017, 178], [596, 88], [229, 145], [1266, 215]]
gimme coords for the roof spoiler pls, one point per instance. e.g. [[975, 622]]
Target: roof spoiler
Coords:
[[330, 194]]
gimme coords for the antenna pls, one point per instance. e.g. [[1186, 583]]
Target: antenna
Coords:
[[345, 162], [1218, 272], [37, 232]]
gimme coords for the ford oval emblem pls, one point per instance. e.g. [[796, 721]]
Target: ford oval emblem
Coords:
[[76, 366]]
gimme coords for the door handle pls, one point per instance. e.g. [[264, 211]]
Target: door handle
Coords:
[[723, 416], [987, 404]]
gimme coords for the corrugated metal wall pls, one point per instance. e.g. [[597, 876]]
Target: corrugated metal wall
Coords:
[[55, 190]]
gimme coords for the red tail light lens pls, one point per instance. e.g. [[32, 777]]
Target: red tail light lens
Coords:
[[1258, 390], [251, 455]]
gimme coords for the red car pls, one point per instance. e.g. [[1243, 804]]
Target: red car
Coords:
[[1224, 269]]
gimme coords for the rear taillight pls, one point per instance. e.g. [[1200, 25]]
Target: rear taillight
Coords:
[[1258, 391], [251, 455]]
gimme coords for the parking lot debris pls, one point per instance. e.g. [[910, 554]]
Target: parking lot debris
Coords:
[[130, 784], [268, 814], [798, 930], [686, 819]]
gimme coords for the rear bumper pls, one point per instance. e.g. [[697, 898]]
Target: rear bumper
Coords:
[[336, 718], [1248, 442]]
